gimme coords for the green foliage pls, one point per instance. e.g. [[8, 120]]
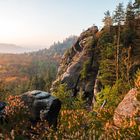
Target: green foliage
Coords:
[[108, 51], [137, 2], [65, 95], [107, 19], [105, 38], [107, 64], [113, 95], [90, 41], [137, 7], [130, 15], [38, 75], [58, 48], [127, 37], [79, 103], [37, 83], [119, 14], [107, 59], [85, 70]]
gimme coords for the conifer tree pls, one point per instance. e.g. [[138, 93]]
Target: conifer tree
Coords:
[[107, 19], [107, 70], [118, 19], [137, 8], [130, 15]]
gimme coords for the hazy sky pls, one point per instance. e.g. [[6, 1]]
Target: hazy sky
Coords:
[[41, 22]]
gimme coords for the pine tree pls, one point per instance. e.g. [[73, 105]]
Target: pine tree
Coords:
[[118, 19], [119, 15], [130, 14], [128, 37], [107, 73], [137, 8], [107, 19]]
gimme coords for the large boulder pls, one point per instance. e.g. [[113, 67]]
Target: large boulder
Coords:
[[42, 106], [128, 110]]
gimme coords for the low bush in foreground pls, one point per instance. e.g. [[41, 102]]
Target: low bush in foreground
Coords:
[[72, 124]]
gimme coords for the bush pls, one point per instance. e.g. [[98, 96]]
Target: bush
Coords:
[[73, 124], [85, 70], [112, 94], [65, 95]]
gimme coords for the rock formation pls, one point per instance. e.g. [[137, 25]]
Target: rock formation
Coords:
[[79, 66], [42, 105], [128, 109]]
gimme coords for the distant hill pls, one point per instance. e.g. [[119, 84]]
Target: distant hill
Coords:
[[58, 48], [11, 48]]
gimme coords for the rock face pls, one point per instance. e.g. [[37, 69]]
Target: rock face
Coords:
[[129, 108], [42, 106], [79, 66]]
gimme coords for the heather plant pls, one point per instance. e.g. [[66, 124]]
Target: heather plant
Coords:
[[73, 124]]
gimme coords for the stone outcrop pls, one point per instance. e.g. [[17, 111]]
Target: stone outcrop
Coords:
[[42, 105], [128, 109], [84, 53], [79, 66]]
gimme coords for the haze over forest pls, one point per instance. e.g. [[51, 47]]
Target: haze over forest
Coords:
[[35, 24]]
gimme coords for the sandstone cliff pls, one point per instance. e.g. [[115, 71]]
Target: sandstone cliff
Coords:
[[80, 65]]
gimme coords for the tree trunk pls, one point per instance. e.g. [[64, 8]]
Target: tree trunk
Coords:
[[117, 53]]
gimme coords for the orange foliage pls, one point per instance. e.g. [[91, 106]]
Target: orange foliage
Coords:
[[10, 79]]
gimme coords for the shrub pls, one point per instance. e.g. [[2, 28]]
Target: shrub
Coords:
[[112, 94], [73, 124], [65, 95], [85, 70]]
